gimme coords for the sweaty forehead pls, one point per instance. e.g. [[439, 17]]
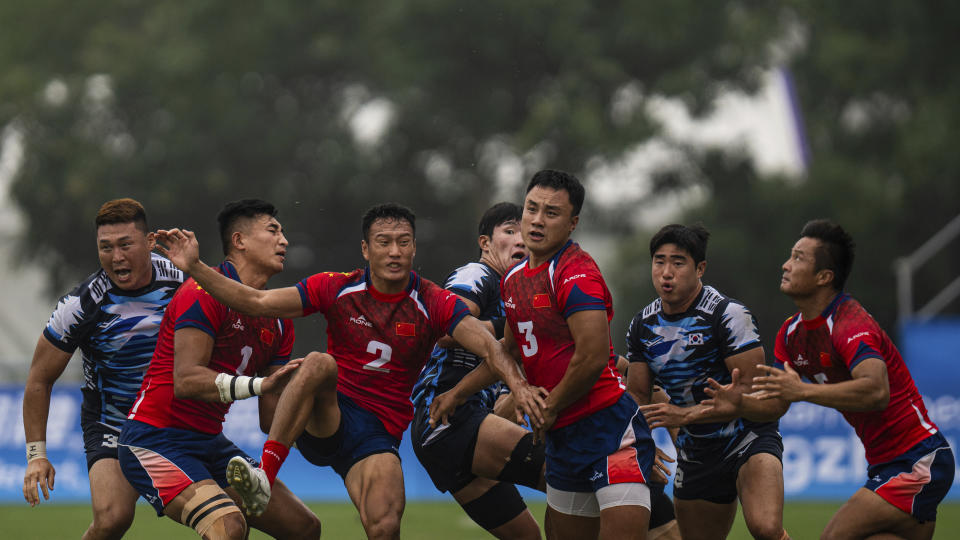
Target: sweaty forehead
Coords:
[[390, 227], [549, 197]]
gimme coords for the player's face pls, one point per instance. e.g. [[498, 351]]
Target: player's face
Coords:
[[124, 252], [264, 244], [800, 276], [547, 221], [504, 247], [676, 277], [389, 248]]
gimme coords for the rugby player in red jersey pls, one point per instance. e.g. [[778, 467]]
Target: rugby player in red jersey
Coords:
[[348, 407], [172, 447], [599, 451], [847, 362]]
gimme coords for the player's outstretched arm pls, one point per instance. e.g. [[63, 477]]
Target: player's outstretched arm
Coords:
[[182, 248], [869, 390], [47, 366]]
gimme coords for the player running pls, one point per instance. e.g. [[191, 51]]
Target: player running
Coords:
[[347, 408], [599, 451], [479, 456], [692, 333], [172, 447], [113, 316]]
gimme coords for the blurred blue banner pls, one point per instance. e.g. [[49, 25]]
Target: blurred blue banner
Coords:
[[823, 459]]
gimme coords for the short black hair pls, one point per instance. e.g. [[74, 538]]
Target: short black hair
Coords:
[[234, 212], [836, 249], [691, 238], [498, 214], [558, 180], [389, 212]]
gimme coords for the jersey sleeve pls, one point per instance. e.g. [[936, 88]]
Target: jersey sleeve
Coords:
[[193, 307], [318, 292], [636, 350], [468, 282], [738, 330], [780, 346], [857, 340], [286, 343], [445, 308], [581, 288], [69, 322]]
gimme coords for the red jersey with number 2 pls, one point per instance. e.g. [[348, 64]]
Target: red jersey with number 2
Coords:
[[242, 345], [538, 302], [380, 341], [826, 350]]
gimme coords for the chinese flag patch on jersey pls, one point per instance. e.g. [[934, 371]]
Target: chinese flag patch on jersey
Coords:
[[266, 336], [825, 359], [406, 329], [541, 300]]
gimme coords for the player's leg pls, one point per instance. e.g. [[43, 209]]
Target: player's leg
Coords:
[[866, 514], [663, 522], [505, 451], [113, 500], [700, 519], [286, 516], [206, 508], [571, 515], [309, 401], [498, 508], [624, 510], [375, 485], [760, 485]]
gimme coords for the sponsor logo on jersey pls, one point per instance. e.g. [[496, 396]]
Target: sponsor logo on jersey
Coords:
[[596, 476], [266, 336], [800, 361], [509, 303], [571, 278], [362, 321], [406, 329], [237, 325], [856, 336], [541, 300], [695, 338], [825, 359]]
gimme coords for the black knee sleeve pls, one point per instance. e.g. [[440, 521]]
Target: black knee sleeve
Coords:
[[526, 463], [496, 507], [661, 507]]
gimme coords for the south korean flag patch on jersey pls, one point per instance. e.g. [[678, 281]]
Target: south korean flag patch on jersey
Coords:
[[695, 338]]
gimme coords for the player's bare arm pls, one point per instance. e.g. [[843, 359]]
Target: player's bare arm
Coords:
[[640, 383], [869, 390], [447, 342], [182, 248], [591, 336], [47, 366], [193, 379]]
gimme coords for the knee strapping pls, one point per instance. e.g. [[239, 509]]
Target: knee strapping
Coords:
[[208, 505], [496, 507], [526, 463]]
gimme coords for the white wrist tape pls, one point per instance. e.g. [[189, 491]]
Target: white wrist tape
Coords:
[[36, 450], [234, 387]]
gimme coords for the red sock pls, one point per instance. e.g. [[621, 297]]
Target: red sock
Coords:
[[274, 453]]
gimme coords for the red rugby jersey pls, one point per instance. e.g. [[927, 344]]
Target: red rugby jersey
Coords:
[[242, 345], [380, 341], [826, 349], [538, 302]]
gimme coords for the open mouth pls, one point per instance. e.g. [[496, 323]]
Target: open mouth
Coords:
[[666, 287], [534, 235], [518, 256], [123, 274]]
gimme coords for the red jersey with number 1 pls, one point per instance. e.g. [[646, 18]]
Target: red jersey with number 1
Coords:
[[538, 302], [242, 345], [380, 341], [826, 350]]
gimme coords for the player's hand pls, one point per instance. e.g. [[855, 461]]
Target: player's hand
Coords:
[[443, 406], [180, 246], [39, 471], [660, 473], [530, 401], [784, 384], [664, 415], [549, 418], [724, 399], [275, 382]]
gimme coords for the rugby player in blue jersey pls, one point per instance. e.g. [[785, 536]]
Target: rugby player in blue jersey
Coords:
[[113, 317], [688, 335]]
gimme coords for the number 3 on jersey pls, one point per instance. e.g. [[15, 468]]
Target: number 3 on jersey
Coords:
[[383, 352], [529, 346]]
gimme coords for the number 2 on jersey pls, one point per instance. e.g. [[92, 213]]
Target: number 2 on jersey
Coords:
[[383, 351], [529, 348]]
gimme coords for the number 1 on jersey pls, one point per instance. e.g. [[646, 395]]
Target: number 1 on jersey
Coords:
[[526, 330], [384, 351]]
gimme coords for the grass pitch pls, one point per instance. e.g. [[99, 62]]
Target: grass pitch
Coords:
[[421, 520]]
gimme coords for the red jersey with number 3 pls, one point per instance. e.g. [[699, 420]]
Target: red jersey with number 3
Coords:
[[826, 350], [538, 302], [242, 345], [380, 341]]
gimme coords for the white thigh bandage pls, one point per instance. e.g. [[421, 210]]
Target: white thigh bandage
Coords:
[[576, 503], [627, 494]]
